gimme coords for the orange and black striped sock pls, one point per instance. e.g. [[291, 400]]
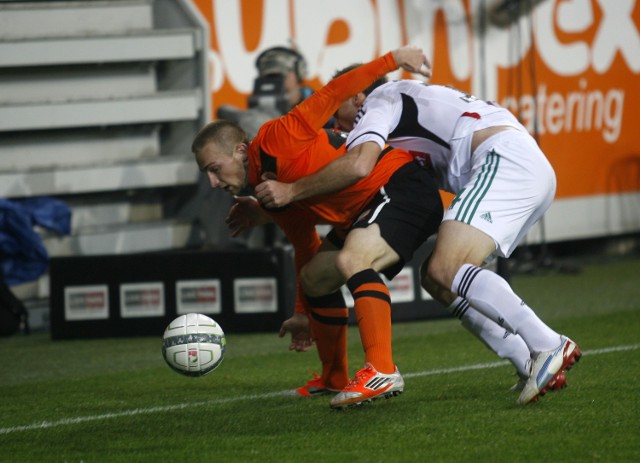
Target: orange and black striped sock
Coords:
[[329, 317], [373, 312]]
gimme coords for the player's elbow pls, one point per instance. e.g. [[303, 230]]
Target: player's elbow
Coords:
[[363, 159], [361, 167]]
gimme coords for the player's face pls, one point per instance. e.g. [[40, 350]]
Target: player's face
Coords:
[[345, 116], [223, 170]]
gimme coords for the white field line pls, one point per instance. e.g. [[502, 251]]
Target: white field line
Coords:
[[187, 405], [483, 366]]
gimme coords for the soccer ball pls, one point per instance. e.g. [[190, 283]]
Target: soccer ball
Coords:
[[193, 344]]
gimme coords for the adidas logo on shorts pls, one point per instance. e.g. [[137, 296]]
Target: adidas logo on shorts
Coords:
[[486, 216]]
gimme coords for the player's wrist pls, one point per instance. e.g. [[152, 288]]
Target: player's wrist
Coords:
[[391, 59], [295, 192]]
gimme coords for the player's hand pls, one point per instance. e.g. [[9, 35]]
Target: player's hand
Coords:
[[298, 326], [412, 59], [272, 193], [244, 214]]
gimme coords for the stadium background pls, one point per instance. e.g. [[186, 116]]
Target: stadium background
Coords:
[[568, 69], [99, 101]]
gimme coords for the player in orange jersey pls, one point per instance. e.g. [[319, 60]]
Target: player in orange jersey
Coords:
[[382, 219]]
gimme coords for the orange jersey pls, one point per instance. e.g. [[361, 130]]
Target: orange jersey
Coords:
[[296, 145]]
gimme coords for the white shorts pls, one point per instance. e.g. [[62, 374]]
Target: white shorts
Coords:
[[512, 185]]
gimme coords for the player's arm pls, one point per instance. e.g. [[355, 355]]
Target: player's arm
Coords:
[[337, 175], [288, 135], [317, 109]]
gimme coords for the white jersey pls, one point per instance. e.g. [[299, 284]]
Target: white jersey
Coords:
[[502, 189], [433, 122]]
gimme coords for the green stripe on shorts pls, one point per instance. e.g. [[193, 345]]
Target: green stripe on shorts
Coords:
[[475, 195]]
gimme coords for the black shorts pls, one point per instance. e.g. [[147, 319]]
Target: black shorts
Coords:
[[408, 210]]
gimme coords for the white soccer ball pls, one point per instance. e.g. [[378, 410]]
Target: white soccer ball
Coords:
[[193, 344]]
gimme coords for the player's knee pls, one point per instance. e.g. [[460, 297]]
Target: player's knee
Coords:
[[425, 281], [435, 272], [305, 279], [342, 264], [437, 291], [348, 263], [320, 280], [310, 282]]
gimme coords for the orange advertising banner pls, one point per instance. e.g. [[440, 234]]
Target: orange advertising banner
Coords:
[[569, 69]]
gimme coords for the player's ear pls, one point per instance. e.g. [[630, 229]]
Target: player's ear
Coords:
[[243, 151]]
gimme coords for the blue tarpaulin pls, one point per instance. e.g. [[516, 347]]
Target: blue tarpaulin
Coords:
[[23, 256]]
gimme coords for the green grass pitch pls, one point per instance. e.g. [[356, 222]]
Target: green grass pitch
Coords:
[[116, 400]]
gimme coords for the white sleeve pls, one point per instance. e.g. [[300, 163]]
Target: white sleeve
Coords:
[[375, 120]]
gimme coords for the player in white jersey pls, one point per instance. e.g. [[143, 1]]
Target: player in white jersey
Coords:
[[503, 185], [442, 137]]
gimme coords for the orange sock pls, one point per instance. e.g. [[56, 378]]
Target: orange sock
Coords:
[[329, 317], [373, 312]]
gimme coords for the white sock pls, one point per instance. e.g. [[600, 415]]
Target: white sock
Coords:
[[492, 296], [507, 345]]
